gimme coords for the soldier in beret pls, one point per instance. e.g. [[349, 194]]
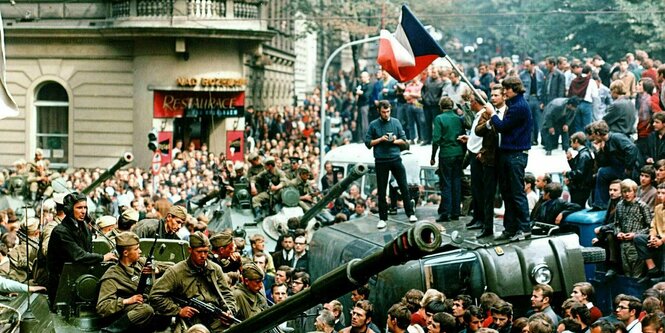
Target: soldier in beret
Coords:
[[224, 249], [118, 297], [166, 228], [269, 181], [249, 295], [196, 277]]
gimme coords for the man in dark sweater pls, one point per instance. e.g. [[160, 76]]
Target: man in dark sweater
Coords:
[[386, 135], [617, 157], [515, 129]]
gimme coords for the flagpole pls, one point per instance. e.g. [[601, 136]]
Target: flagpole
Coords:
[[322, 111], [461, 75]]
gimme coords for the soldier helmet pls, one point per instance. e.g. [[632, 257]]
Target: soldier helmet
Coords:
[[269, 161], [304, 168], [106, 221], [221, 239], [238, 166], [198, 239], [130, 214], [126, 238], [252, 156], [252, 272], [179, 212], [31, 225]]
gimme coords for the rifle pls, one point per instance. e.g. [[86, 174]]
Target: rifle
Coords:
[[144, 277], [207, 310]]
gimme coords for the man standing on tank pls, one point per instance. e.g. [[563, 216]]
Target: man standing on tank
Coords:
[[515, 129], [71, 241], [387, 137]]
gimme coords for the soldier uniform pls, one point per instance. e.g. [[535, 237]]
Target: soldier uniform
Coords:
[[250, 303], [48, 228], [20, 261], [254, 169], [120, 283], [263, 181], [303, 186], [186, 280], [149, 228], [224, 239]]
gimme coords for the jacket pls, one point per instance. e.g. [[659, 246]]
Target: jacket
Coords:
[[525, 76], [557, 114], [581, 170], [549, 210], [490, 141], [149, 228], [516, 125], [554, 86], [621, 116]]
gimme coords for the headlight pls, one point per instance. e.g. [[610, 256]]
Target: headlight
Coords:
[[541, 274]]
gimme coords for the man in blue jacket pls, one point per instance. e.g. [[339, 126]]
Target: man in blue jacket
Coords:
[[386, 135], [514, 144]]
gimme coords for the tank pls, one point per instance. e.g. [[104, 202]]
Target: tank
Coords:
[[124, 160], [239, 214], [421, 239]]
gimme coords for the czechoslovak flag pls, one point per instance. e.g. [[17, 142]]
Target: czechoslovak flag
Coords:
[[408, 51]]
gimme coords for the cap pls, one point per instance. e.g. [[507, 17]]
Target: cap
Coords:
[[198, 239], [130, 214], [106, 221], [178, 211], [252, 272], [32, 224], [221, 239], [252, 156], [269, 160], [39, 151], [239, 165], [126, 238], [304, 168], [59, 198]]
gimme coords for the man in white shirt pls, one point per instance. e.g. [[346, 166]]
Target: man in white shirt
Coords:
[[628, 311]]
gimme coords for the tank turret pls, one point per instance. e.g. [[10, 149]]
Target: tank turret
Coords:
[[423, 238], [124, 160]]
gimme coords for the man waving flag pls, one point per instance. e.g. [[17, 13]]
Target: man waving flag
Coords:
[[408, 51]]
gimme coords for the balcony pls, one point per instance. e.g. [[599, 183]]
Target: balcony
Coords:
[[119, 18]]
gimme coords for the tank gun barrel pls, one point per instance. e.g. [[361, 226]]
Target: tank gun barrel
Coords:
[[358, 171], [124, 160], [423, 238]]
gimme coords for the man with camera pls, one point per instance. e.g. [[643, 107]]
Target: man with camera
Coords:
[[387, 137]]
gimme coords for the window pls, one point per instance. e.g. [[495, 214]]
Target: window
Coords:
[[52, 114]]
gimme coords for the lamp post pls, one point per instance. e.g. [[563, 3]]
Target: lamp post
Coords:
[[322, 143]]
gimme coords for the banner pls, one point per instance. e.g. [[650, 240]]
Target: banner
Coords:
[[194, 104]]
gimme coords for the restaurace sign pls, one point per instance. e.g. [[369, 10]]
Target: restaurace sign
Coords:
[[193, 104]]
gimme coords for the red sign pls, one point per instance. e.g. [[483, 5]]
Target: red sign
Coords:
[[165, 146], [156, 162], [194, 104], [235, 145]]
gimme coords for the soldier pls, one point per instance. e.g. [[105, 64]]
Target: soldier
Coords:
[[166, 228], [224, 249], [21, 262], [39, 180], [106, 224], [294, 171], [255, 165], [40, 275], [269, 182], [5, 266], [196, 277], [118, 296], [301, 182], [249, 295], [71, 241], [258, 244]]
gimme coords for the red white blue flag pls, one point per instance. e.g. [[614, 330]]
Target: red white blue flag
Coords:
[[408, 51]]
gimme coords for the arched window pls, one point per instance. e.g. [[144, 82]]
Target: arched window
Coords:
[[52, 114]]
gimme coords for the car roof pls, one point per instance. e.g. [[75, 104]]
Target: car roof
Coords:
[[358, 153]]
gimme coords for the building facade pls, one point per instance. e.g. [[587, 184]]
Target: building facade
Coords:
[[92, 78]]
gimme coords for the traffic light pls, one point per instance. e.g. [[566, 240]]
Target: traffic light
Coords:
[[152, 139]]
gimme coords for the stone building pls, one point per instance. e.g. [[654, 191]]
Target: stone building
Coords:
[[92, 78]]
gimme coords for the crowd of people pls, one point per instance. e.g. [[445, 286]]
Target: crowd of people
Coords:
[[607, 117]]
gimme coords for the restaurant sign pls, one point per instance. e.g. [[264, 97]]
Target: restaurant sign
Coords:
[[194, 104]]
